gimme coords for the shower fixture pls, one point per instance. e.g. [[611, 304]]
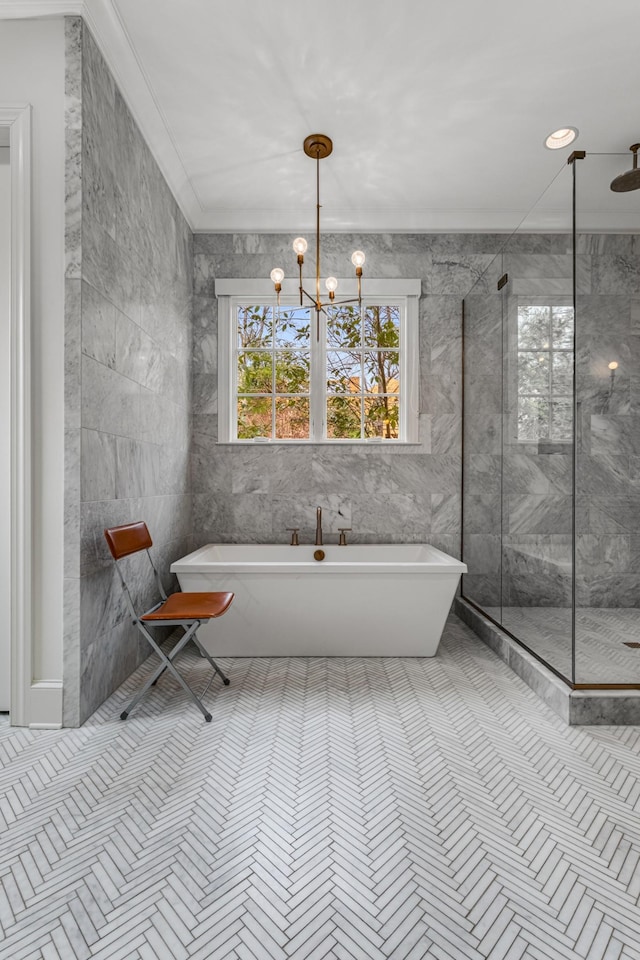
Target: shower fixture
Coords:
[[631, 179]]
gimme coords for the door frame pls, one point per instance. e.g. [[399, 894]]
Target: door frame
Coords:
[[17, 117]]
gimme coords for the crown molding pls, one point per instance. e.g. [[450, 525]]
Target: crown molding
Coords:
[[106, 25], [30, 9]]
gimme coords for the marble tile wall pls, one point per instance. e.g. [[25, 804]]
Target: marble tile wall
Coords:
[[249, 494], [129, 267], [252, 494]]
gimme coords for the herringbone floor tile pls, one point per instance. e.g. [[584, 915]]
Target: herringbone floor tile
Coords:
[[334, 808]]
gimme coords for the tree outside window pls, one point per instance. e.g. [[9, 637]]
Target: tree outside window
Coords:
[[358, 364], [545, 372]]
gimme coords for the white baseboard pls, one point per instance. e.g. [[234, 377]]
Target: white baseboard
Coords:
[[45, 705]]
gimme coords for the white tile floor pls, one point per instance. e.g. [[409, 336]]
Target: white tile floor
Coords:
[[333, 808]]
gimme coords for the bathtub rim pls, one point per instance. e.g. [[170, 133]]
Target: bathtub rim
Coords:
[[303, 562]]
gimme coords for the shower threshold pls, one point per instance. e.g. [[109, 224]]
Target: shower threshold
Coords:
[[575, 706]]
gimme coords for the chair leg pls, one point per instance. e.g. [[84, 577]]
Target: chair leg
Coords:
[[167, 664], [216, 668]]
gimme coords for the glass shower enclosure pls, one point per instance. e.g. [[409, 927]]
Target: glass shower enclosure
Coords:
[[551, 430]]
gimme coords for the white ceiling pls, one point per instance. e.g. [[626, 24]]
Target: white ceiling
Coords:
[[437, 111]]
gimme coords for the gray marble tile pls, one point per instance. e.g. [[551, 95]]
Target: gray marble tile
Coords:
[[396, 518], [212, 518], [483, 553], [98, 175], [139, 467], [102, 605], [98, 326], [608, 514], [483, 431], [355, 475], [483, 473], [72, 483], [137, 356], [205, 394], [98, 466], [211, 470], [616, 274], [110, 402], [604, 245], [445, 513], [73, 146], [71, 652], [540, 474], [160, 420], [614, 434], [483, 589], [619, 590], [447, 542], [108, 659], [540, 513], [72, 352], [456, 275], [545, 287], [602, 555], [482, 512], [533, 580], [446, 435], [602, 475]]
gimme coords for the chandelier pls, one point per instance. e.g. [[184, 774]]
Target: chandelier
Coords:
[[318, 146]]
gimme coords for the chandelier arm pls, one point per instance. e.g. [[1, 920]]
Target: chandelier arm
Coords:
[[313, 299], [340, 303]]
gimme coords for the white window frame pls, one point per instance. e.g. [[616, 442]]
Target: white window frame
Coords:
[[234, 292]]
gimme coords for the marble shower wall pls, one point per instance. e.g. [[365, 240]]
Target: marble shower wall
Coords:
[[518, 497], [129, 277], [608, 468]]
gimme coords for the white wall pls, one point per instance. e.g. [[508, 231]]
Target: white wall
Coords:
[[32, 71], [5, 432]]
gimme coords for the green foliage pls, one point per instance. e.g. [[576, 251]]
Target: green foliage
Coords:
[[362, 369]]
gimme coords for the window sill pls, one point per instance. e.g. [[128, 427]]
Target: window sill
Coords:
[[318, 443]]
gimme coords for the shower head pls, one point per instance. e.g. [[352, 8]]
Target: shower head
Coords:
[[631, 179]]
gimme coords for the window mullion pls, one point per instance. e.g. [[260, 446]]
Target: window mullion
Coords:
[[317, 386]]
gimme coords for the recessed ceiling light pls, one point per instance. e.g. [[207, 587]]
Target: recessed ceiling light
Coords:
[[561, 138]]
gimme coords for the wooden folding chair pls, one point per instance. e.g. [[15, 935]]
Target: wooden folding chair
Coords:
[[186, 610]]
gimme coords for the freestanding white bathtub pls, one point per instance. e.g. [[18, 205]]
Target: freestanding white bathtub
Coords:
[[360, 600]]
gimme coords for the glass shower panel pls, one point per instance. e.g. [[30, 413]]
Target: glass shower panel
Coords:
[[608, 424], [537, 449], [482, 442]]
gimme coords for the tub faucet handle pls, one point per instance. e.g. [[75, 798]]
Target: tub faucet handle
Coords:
[[342, 542], [294, 536]]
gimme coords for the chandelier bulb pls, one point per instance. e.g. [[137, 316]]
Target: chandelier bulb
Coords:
[[277, 275], [300, 246], [331, 284], [358, 258]]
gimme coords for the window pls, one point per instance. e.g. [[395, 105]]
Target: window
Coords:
[[545, 372], [285, 377]]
